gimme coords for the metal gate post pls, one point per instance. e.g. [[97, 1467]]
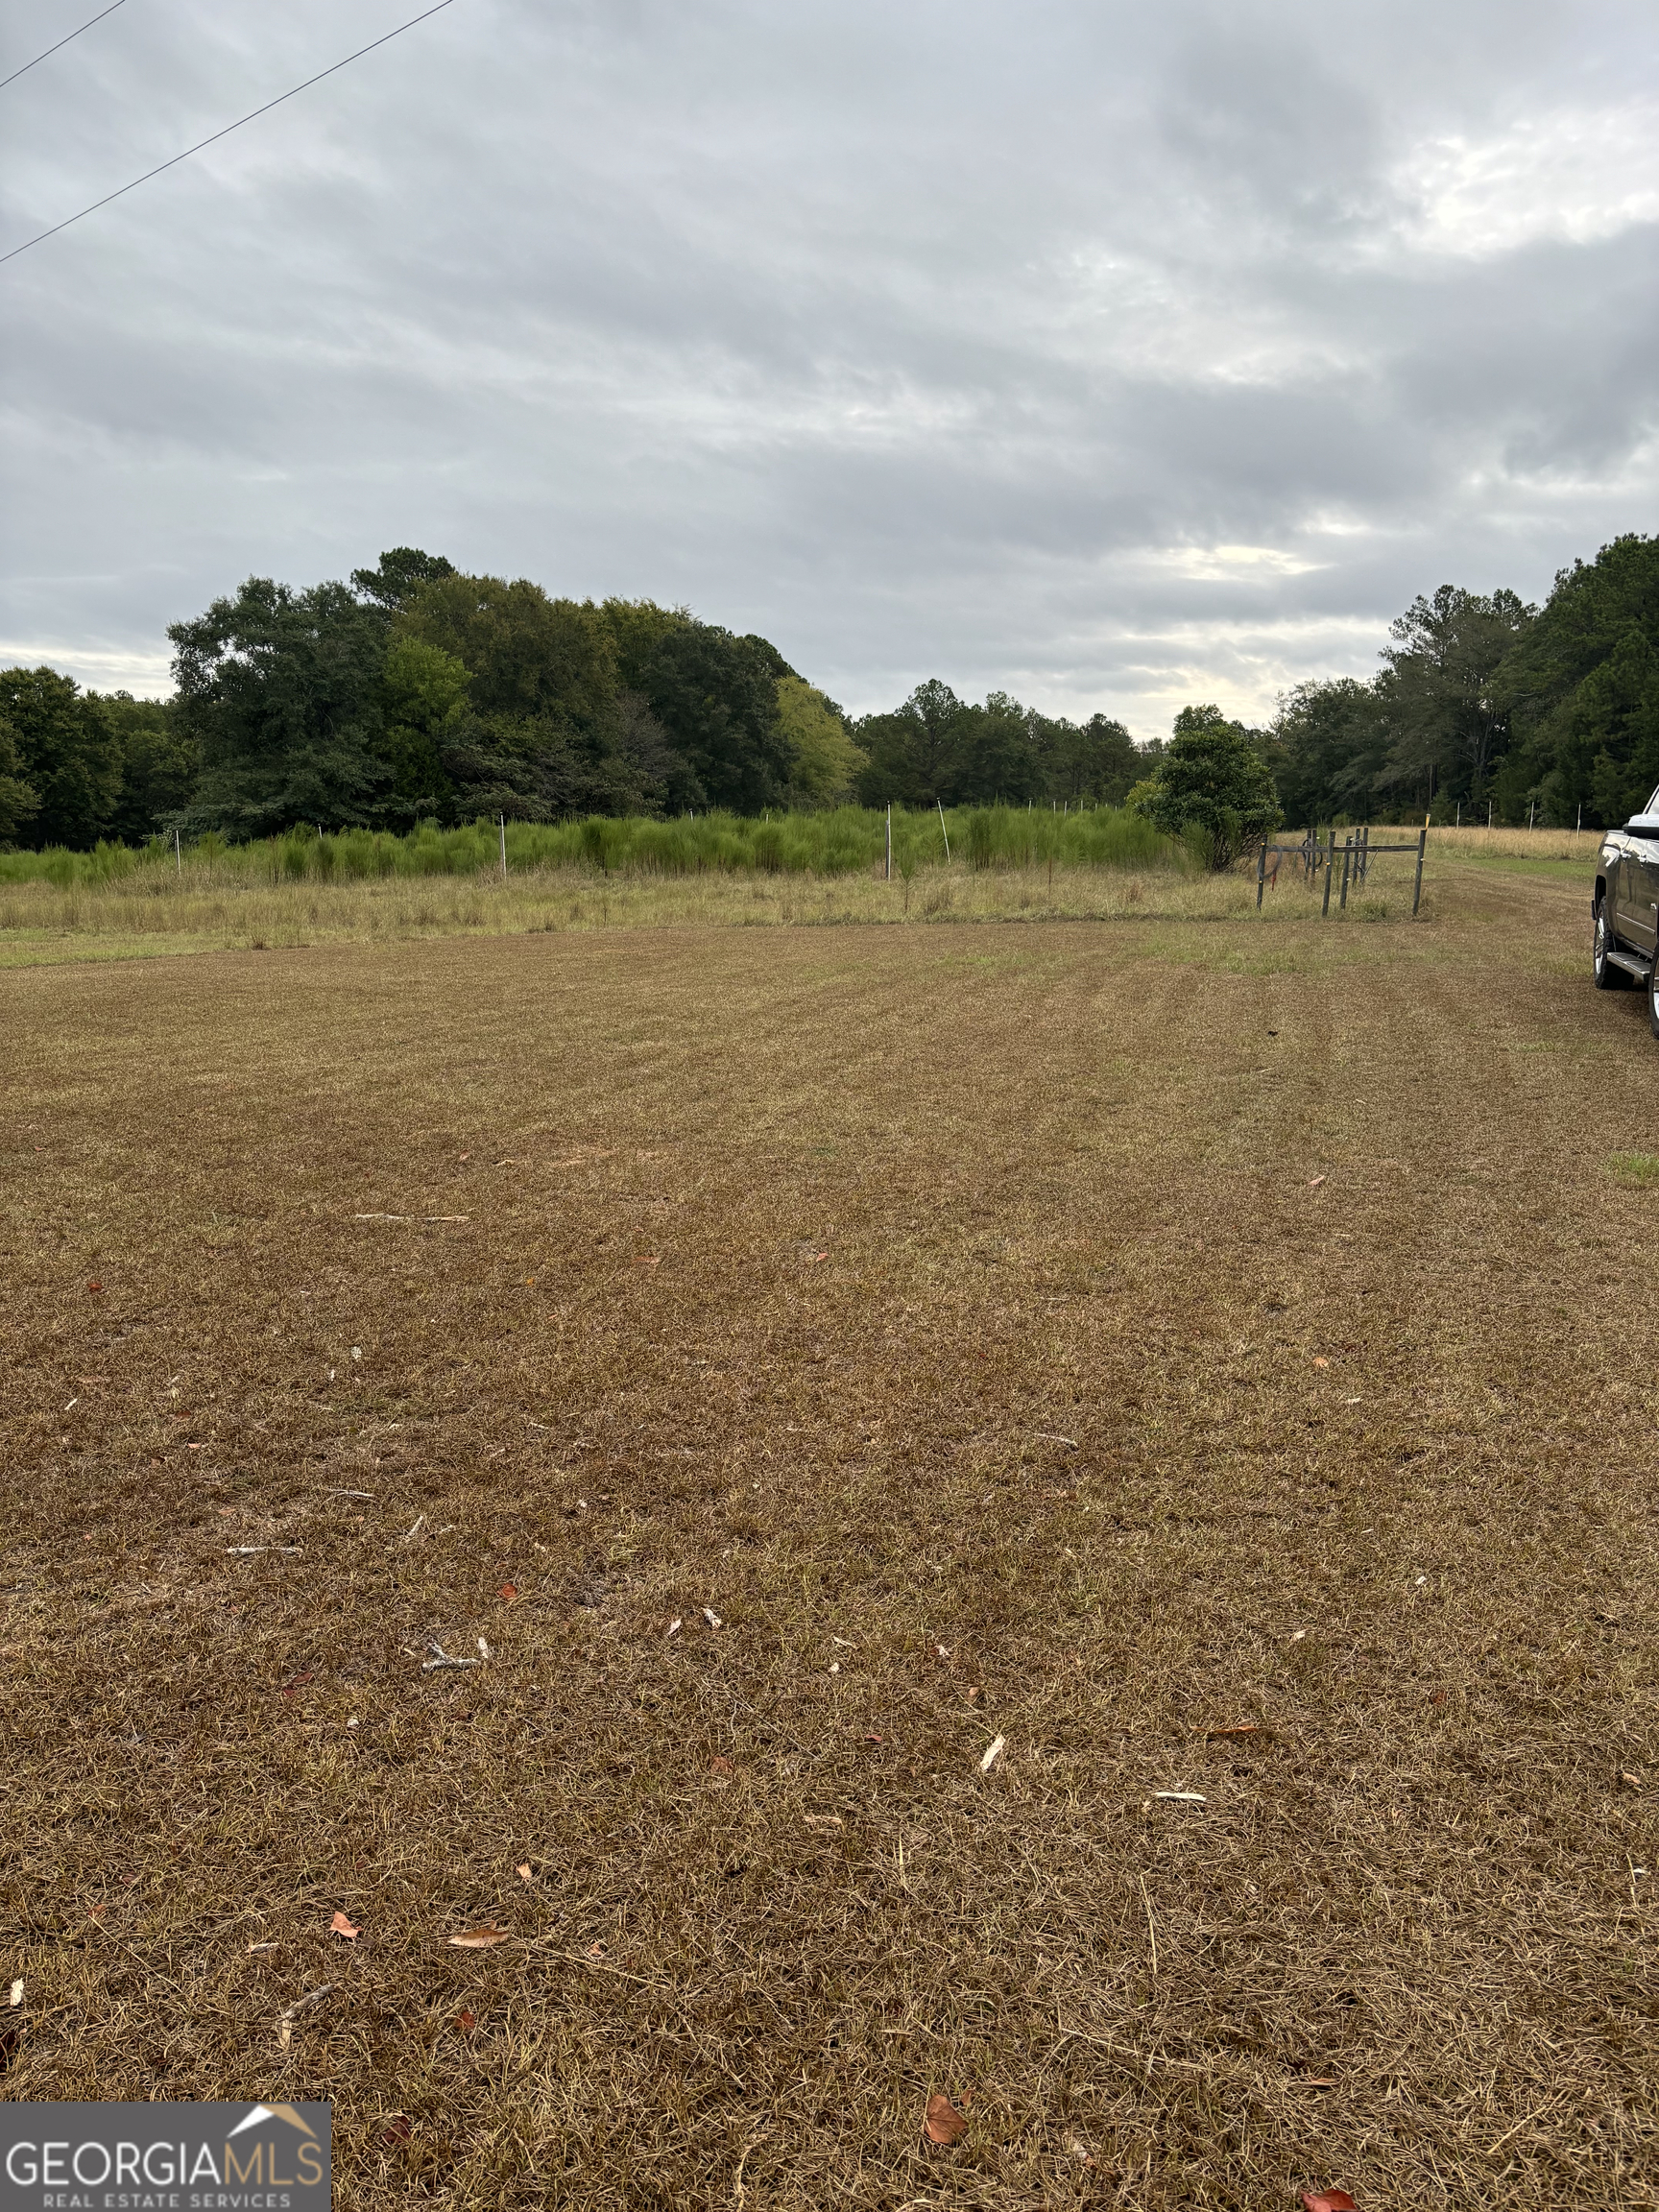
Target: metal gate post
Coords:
[[1417, 887]]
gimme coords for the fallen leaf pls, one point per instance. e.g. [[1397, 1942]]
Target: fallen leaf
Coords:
[[1315, 1182], [16, 1997], [824, 1821], [875, 1739], [508, 1593], [1328, 2200], [252, 1947], [465, 2022], [94, 1285], [714, 1619], [481, 1939], [1181, 1796], [397, 2130], [524, 1872], [341, 1926], [994, 1751], [597, 1950], [675, 1626], [643, 1259], [942, 2123], [720, 1766], [1078, 2146], [1627, 1780], [1321, 1362], [1235, 1728], [298, 1682]]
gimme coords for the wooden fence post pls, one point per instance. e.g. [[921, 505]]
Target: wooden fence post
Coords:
[[1347, 871], [1330, 871], [1261, 871], [1417, 887]]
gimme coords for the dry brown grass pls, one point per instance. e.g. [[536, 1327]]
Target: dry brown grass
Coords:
[[1472, 842], [950, 1308], [155, 915]]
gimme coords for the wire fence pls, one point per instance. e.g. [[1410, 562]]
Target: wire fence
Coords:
[[1314, 853]]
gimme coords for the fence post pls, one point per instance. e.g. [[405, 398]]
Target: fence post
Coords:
[[1347, 871], [1417, 887], [889, 841], [1330, 871], [178, 853], [1261, 871], [1365, 853]]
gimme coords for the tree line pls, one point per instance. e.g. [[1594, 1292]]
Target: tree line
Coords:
[[1483, 702], [415, 693]]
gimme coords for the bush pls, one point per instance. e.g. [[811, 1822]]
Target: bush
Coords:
[[1211, 786]]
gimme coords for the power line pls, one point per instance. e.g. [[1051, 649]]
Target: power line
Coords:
[[51, 50], [42, 236]]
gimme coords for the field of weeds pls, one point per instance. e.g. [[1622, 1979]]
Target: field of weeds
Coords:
[[157, 914], [634, 1553]]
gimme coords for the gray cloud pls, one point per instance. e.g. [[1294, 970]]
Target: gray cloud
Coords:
[[1117, 356]]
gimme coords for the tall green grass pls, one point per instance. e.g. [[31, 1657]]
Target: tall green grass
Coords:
[[847, 841]]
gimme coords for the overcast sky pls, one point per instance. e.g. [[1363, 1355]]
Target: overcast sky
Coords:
[[1114, 355]]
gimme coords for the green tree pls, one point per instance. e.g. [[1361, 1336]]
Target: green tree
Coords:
[[69, 757], [160, 765], [913, 755], [1448, 717], [423, 703], [1097, 760], [397, 576], [1329, 745], [549, 727], [526, 656], [1582, 685], [823, 759], [282, 693], [18, 799], [1212, 778], [996, 756], [713, 694]]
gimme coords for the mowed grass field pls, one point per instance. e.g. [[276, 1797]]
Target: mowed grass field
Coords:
[[1212, 1358]]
